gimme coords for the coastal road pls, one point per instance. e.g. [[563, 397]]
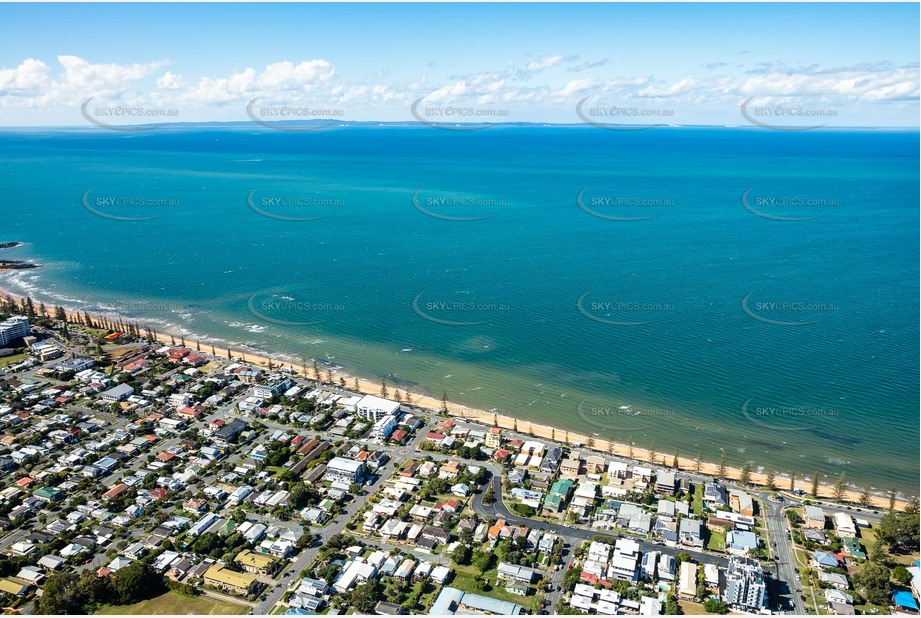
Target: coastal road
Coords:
[[499, 510], [788, 596]]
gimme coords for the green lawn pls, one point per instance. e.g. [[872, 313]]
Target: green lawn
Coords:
[[868, 535], [14, 358], [717, 541], [464, 580], [175, 603], [697, 506]]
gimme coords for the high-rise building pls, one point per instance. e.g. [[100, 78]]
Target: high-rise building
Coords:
[[745, 587], [13, 328]]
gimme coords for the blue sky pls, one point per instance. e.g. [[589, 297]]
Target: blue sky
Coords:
[[851, 64]]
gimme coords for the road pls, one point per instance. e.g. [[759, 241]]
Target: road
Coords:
[[499, 510], [308, 555], [788, 595]]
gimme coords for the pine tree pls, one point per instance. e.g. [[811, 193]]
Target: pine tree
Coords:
[[840, 486], [357, 386], [745, 475], [316, 370], [630, 446], [652, 451], [697, 462], [770, 480], [444, 401], [892, 495], [384, 391], [722, 470], [864, 500], [792, 480], [675, 460], [342, 383], [815, 485]]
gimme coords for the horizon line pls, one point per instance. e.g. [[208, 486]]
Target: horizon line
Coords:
[[344, 123]]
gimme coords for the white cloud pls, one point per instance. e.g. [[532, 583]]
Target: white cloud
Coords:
[[860, 83], [169, 81], [545, 62], [716, 88], [29, 76]]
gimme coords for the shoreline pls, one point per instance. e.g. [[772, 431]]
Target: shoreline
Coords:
[[490, 419]]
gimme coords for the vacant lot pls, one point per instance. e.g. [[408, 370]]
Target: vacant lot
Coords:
[[175, 603]]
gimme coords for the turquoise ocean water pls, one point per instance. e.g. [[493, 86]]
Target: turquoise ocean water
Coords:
[[740, 289]]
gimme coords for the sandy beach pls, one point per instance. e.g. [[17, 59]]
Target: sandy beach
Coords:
[[826, 490]]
